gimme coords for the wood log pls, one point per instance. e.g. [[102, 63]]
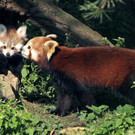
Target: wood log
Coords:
[[47, 15]]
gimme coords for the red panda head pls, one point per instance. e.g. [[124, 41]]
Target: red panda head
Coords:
[[11, 39], [39, 47]]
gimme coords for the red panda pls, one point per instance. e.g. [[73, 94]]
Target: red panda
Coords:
[[78, 70], [11, 42]]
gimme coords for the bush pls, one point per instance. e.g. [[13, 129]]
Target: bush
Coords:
[[102, 121], [36, 83], [15, 120]]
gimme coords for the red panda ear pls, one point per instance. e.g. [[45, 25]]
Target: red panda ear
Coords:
[[49, 46], [52, 36], [3, 29], [21, 31]]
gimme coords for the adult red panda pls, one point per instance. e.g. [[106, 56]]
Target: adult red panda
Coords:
[[11, 42], [78, 70]]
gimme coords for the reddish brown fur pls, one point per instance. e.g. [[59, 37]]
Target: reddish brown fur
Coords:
[[11, 36], [102, 66], [38, 45]]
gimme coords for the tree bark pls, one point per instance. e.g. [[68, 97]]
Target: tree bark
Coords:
[[55, 20]]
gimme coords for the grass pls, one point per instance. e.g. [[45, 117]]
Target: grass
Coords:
[[35, 119], [101, 121], [44, 111]]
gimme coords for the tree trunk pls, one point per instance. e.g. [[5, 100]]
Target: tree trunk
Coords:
[[55, 20]]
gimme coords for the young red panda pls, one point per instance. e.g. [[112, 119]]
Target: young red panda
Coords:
[[79, 70], [11, 42]]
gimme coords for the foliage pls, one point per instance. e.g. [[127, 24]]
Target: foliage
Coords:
[[35, 82], [101, 121], [97, 9], [119, 42], [15, 120]]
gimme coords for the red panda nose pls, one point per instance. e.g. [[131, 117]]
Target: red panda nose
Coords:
[[8, 54]]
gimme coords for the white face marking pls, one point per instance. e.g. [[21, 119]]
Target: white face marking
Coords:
[[25, 51], [8, 52], [1, 44], [34, 55], [11, 52], [4, 51], [18, 47]]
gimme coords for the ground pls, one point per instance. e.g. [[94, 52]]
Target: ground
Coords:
[[69, 123]]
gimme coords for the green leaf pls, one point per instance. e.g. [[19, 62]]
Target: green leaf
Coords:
[[24, 72], [33, 77], [103, 107], [91, 116], [26, 116], [101, 131], [35, 118], [95, 109], [26, 66], [129, 120], [1, 122], [6, 125], [120, 132], [30, 130], [82, 116], [118, 122], [2, 116], [99, 109], [13, 119], [107, 124]]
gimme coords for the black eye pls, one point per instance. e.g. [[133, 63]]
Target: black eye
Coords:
[[12, 48], [5, 47], [29, 47]]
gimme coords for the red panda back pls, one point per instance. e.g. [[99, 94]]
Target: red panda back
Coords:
[[101, 66]]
